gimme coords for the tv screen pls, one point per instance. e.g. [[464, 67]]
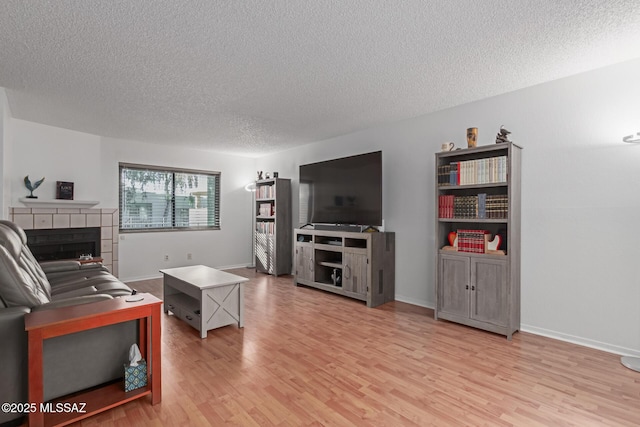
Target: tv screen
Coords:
[[342, 191]]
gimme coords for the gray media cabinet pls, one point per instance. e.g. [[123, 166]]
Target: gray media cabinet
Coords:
[[356, 265]]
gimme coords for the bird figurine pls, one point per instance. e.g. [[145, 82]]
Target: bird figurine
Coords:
[[31, 187], [502, 136]]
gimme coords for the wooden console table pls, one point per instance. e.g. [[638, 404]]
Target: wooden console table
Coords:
[[41, 325]]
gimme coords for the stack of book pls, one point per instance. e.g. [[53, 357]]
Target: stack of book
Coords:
[[444, 175], [497, 206], [472, 172], [480, 206], [265, 209], [265, 227], [474, 241], [265, 192], [446, 206]]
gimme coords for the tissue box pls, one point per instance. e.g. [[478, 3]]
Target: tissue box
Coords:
[[135, 376]]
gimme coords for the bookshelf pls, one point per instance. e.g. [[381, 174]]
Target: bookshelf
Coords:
[[478, 198], [273, 233]]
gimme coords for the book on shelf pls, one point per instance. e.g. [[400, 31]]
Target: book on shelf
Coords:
[[444, 172], [266, 210], [497, 206], [490, 170], [453, 173], [265, 191], [265, 227], [473, 241], [480, 206]]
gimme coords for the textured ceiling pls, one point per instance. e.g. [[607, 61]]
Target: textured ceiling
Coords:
[[255, 76]]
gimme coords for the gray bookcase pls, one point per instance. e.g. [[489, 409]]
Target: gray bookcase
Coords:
[[273, 234], [481, 290]]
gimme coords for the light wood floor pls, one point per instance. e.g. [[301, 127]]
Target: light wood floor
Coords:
[[306, 357]]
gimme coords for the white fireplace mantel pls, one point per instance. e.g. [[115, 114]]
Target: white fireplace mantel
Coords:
[[57, 203]]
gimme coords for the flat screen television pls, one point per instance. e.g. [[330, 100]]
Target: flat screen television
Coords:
[[342, 191]]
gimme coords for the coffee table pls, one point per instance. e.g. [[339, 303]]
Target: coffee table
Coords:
[[204, 297]]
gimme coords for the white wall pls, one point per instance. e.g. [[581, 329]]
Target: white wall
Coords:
[[91, 162], [5, 152], [580, 199], [57, 155], [142, 254]]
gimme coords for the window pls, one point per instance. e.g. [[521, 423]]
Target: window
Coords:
[[157, 199]]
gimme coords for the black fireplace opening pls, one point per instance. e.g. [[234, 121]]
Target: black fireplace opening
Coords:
[[64, 243]]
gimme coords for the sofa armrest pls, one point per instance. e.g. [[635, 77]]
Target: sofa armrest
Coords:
[[57, 266], [93, 266], [71, 301]]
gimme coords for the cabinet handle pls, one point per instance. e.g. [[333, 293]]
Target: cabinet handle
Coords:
[[347, 272], [310, 264], [189, 317], [473, 288], [466, 287]]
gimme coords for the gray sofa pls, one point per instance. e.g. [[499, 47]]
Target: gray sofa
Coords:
[[72, 362]]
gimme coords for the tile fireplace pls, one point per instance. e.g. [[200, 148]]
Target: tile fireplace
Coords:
[[64, 243], [58, 221]]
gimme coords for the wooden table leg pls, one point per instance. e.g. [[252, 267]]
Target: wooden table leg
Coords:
[[36, 386], [156, 362], [143, 337]]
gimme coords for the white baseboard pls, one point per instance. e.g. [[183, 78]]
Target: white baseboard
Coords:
[[413, 301], [609, 348], [231, 267], [137, 279], [159, 276]]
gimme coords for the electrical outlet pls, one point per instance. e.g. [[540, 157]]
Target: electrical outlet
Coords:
[[189, 256], [166, 257]]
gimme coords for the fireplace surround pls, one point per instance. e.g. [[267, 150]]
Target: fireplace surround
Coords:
[[63, 243], [57, 219]]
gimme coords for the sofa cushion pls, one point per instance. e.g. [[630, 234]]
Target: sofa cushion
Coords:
[[17, 239], [18, 287]]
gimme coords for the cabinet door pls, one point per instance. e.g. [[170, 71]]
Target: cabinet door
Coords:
[[489, 291], [304, 262], [453, 285], [355, 273]]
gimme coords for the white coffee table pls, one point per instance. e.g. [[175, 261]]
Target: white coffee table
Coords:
[[204, 297]]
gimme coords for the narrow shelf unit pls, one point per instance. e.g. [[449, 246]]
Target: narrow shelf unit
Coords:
[[273, 233], [478, 198]]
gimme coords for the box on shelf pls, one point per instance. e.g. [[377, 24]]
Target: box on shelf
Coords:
[[135, 376]]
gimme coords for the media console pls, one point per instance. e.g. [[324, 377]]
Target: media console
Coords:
[[356, 265]]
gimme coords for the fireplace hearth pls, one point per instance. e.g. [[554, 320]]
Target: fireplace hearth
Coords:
[[67, 243]]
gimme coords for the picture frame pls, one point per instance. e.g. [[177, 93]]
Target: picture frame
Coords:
[[64, 190]]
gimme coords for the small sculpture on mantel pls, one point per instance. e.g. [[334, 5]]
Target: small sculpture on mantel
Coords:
[[259, 175], [31, 187], [502, 136]]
